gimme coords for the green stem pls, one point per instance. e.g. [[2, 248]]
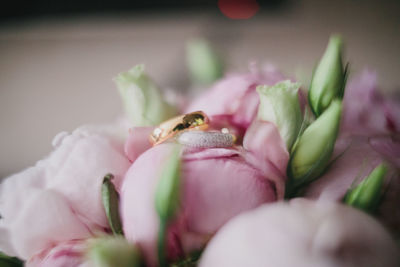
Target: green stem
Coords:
[[162, 233]]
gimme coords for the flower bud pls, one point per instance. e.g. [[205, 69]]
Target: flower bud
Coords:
[[204, 64], [367, 194], [279, 104], [312, 151], [113, 251], [142, 99], [329, 77]]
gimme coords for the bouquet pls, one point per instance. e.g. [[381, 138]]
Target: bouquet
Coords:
[[256, 170]]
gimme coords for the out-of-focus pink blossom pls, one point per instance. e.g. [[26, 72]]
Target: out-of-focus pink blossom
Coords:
[[59, 199], [353, 159], [366, 110], [356, 157], [234, 98], [302, 233], [217, 184]]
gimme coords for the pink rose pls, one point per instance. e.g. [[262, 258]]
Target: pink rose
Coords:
[[233, 100], [59, 199], [301, 233], [217, 184]]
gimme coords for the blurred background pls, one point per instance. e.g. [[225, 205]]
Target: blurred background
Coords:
[[58, 58]]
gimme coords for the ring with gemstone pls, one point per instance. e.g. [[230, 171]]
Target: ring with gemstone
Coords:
[[192, 121], [200, 139]]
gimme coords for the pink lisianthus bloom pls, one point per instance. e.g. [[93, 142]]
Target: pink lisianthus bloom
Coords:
[[59, 199], [233, 101], [302, 233], [216, 185]]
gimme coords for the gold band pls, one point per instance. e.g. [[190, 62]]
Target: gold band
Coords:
[[192, 121]]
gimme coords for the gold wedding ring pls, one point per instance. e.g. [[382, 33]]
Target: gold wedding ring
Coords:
[[192, 121]]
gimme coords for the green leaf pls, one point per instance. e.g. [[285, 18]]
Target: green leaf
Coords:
[[112, 251], [7, 261], [110, 198], [329, 77], [367, 194], [142, 99], [312, 151], [204, 64], [168, 198], [279, 104]]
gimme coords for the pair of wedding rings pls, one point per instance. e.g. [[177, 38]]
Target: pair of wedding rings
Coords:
[[190, 130]]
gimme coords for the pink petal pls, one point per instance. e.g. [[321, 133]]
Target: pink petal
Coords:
[[68, 254], [45, 220], [269, 152], [215, 190], [137, 142], [388, 146], [366, 110], [76, 170], [301, 233], [354, 164]]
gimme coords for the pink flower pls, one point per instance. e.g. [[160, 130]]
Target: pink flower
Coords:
[[59, 199], [356, 158], [233, 100], [366, 110], [301, 233], [217, 184]]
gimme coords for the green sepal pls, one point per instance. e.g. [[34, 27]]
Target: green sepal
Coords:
[[112, 251], [312, 151], [366, 195], [329, 78], [279, 104], [204, 64], [110, 199], [7, 261]]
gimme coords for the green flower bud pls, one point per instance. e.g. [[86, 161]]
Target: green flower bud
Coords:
[[367, 194], [313, 149], [110, 198], [113, 251], [204, 64], [280, 104], [142, 99], [329, 77]]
